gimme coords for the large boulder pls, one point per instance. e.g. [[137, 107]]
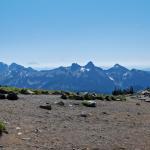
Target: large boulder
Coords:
[[2, 96], [64, 96], [12, 96], [89, 103]]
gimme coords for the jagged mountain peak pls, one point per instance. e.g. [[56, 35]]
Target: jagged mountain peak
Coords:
[[3, 67], [90, 65], [118, 67], [3, 64], [16, 66], [75, 66], [74, 77]]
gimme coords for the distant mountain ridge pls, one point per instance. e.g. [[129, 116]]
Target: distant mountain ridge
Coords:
[[88, 78]]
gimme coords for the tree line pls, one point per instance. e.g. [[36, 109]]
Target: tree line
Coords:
[[119, 91]]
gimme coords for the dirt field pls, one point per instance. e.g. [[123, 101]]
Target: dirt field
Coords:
[[109, 126]]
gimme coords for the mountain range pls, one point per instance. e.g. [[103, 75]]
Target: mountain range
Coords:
[[88, 78]]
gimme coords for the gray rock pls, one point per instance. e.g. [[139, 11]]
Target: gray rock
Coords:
[[48, 107], [84, 114], [2, 96], [12, 96], [61, 103], [64, 96], [89, 103], [147, 100]]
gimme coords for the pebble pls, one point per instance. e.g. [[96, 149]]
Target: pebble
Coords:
[[26, 139], [19, 133], [18, 128], [138, 104]]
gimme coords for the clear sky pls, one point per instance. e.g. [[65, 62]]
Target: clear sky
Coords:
[[49, 33]]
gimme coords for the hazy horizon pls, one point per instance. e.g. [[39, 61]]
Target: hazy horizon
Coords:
[[56, 33]]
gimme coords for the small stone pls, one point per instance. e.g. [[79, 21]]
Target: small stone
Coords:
[[37, 131], [104, 113], [26, 139], [48, 107], [76, 104], [85, 148], [138, 113], [138, 104], [18, 128], [61, 103], [65, 126], [19, 133], [83, 114], [118, 99]]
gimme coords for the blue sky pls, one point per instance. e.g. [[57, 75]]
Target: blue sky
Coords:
[[50, 33]]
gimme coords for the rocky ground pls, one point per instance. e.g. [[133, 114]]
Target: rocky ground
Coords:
[[111, 125]]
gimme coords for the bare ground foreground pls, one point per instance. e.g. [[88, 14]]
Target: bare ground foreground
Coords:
[[109, 126]]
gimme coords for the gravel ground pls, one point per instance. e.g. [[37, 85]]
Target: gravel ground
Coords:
[[109, 126]]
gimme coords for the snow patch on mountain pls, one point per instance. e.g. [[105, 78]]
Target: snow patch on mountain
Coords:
[[111, 78], [84, 69]]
